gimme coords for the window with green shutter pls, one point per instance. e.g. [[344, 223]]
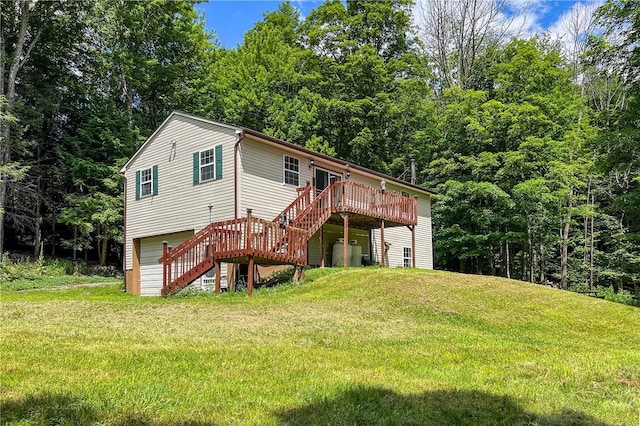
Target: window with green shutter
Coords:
[[207, 165], [146, 182]]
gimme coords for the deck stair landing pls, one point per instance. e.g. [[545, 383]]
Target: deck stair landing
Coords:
[[282, 240]]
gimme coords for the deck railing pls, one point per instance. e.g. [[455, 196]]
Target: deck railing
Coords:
[[228, 240], [350, 197], [315, 214], [284, 239], [355, 197]]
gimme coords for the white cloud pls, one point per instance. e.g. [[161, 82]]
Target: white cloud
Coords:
[[579, 16], [574, 26]]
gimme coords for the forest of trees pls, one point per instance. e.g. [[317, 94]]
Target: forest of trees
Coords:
[[533, 144]]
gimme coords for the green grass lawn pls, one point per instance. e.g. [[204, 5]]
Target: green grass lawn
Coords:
[[357, 346]]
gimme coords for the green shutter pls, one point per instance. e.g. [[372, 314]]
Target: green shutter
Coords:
[[155, 180], [138, 185], [218, 155], [196, 168]]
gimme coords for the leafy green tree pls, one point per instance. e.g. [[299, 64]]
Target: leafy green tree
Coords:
[[521, 144], [27, 30], [373, 85], [611, 62]]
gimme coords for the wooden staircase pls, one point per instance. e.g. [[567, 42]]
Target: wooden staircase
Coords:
[[282, 240], [243, 240]]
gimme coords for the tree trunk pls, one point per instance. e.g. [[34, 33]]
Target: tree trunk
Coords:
[[4, 159], [37, 237], [75, 243], [564, 252], [53, 237], [586, 226], [542, 271], [8, 89], [103, 251], [508, 260], [531, 254], [492, 262], [591, 272]]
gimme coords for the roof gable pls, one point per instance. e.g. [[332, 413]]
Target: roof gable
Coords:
[[164, 124]]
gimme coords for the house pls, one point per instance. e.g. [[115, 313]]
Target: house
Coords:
[[207, 201]]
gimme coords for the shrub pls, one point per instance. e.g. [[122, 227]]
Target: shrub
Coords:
[[622, 296]]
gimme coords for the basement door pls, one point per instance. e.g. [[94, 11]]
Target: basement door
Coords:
[[150, 269]]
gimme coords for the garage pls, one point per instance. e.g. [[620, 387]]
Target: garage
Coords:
[[150, 269]]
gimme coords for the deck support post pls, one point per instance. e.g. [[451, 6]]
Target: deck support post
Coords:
[[321, 246], [382, 246], [169, 275], [413, 246], [216, 264], [164, 267], [250, 276], [345, 218], [302, 271]]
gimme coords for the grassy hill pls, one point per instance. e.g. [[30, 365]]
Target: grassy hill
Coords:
[[357, 346]]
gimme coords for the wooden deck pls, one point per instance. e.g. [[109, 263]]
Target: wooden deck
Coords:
[[283, 240]]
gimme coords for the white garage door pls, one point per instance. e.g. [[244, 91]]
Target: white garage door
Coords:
[[150, 269]]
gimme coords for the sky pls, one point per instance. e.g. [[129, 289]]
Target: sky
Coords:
[[230, 19]]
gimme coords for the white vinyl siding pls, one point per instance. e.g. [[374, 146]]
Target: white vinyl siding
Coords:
[[291, 170], [261, 181], [180, 204], [150, 269], [400, 236]]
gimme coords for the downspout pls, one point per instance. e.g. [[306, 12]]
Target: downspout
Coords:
[[124, 234], [239, 137]]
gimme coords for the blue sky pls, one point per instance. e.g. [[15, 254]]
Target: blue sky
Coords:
[[230, 19]]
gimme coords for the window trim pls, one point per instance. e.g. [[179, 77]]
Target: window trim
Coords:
[[406, 261], [212, 164], [285, 170], [143, 182]]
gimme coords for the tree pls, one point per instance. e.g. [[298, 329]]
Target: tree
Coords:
[[367, 69], [458, 35], [518, 147], [19, 34], [612, 61]]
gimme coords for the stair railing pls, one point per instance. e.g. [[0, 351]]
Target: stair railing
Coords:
[[297, 206]]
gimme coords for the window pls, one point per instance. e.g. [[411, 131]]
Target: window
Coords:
[[291, 171], [147, 182], [406, 257], [405, 194], [207, 165]]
